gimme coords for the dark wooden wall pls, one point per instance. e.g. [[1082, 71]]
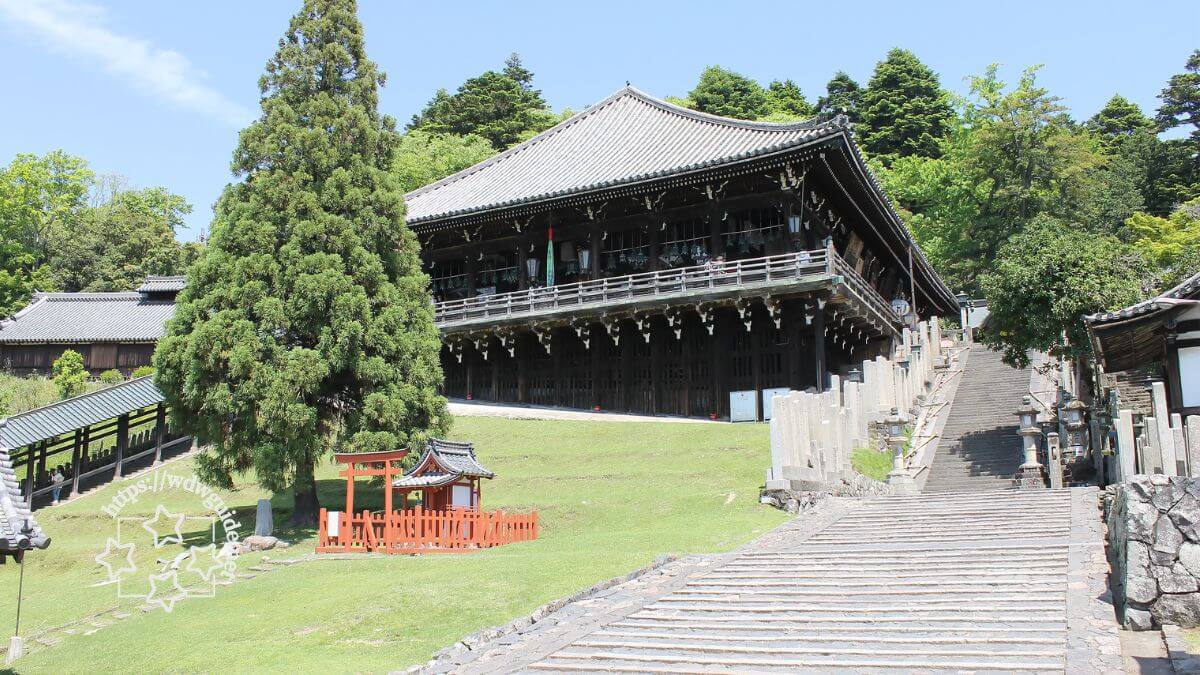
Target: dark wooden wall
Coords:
[[690, 376], [38, 359]]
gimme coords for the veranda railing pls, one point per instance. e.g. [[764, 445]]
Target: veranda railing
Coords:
[[650, 285]]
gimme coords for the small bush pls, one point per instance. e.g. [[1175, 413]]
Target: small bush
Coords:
[[111, 377], [872, 463], [69, 374], [142, 371]]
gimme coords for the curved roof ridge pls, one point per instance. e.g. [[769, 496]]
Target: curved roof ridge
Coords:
[[88, 295], [701, 116]]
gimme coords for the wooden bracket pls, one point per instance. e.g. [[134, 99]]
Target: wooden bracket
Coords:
[[544, 336], [675, 321], [481, 345], [708, 316], [507, 341], [775, 309], [613, 328], [743, 306], [583, 331], [643, 323]]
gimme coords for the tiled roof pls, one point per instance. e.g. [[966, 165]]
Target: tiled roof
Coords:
[[88, 318], [18, 528], [444, 462], [66, 416], [154, 284], [1188, 290], [628, 137]]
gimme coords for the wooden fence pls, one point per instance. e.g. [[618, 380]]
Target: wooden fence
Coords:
[[423, 531]]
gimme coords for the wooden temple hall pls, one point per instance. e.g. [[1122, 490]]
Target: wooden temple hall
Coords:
[[647, 258]]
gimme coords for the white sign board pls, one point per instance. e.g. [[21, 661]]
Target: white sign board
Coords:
[[1189, 376], [741, 406], [460, 496], [769, 394], [331, 524]]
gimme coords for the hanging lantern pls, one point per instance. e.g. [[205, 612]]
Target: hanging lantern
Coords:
[[585, 258], [531, 266]]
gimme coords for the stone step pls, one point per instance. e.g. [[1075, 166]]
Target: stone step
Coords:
[[869, 533], [980, 550], [900, 585], [942, 632], [797, 638], [947, 621], [1029, 608], [627, 661], [643, 644], [923, 596], [886, 574]]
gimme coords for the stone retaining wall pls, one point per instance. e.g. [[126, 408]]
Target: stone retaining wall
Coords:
[[1154, 550], [808, 497]]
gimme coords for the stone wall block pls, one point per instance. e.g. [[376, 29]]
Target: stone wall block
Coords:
[[1174, 579], [1178, 609], [1140, 518], [1167, 538]]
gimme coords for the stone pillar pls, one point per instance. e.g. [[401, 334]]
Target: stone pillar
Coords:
[[1193, 445], [1165, 441], [1054, 459], [1127, 444]]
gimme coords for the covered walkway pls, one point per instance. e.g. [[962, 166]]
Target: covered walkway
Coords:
[[92, 439]]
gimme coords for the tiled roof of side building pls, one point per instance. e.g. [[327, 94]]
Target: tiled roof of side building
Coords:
[[628, 137], [154, 284], [1189, 289], [88, 318]]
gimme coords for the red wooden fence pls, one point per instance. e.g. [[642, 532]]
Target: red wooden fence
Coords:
[[425, 531]]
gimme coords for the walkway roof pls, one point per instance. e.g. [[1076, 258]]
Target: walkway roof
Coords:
[[64, 417]]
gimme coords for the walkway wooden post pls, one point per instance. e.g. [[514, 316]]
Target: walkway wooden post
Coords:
[[160, 430], [76, 461], [818, 337], [122, 442]]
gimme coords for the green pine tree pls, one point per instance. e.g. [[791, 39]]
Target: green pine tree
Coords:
[[1181, 102], [729, 94], [305, 325], [784, 99], [842, 96], [1119, 119], [904, 108], [502, 107]]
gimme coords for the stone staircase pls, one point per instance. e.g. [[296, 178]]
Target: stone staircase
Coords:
[[932, 583], [980, 449]]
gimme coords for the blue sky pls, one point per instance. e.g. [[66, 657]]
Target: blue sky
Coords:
[[156, 91]]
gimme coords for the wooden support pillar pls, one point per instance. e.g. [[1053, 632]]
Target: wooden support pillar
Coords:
[[347, 535], [656, 368], [595, 254], [41, 470], [719, 358], [655, 244], [469, 364], [686, 356], [76, 461], [818, 337], [522, 270], [556, 349], [756, 357], [626, 349], [498, 354], [122, 442], [716, 241], [598, 338], [522, 355], [387, 504], [160, 430], [472, 269], [792, 324], [30, 469]]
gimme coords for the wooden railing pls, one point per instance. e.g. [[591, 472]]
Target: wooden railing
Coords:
[[642, 286], [862, 290], [421, 531]]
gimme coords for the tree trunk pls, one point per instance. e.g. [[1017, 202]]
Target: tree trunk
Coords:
[[307, 507]]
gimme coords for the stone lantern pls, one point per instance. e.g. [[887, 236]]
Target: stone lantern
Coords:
[[900, 478], [1031, 470], [855, 374], [1073, 414]]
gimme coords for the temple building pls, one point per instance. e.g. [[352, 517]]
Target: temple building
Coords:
[[648, 258], [110, 330]]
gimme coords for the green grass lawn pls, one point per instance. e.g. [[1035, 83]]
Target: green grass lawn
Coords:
[[612, 497]]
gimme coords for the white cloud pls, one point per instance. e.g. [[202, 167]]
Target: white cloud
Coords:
[[78, 29]]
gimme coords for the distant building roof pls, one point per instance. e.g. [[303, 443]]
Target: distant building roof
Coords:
[[154, 284], [443, 462], [628, 137], [1134, 336], [84, 318], [66, 416]]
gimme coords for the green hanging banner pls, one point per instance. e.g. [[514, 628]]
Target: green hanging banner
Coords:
[[550, 257]]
